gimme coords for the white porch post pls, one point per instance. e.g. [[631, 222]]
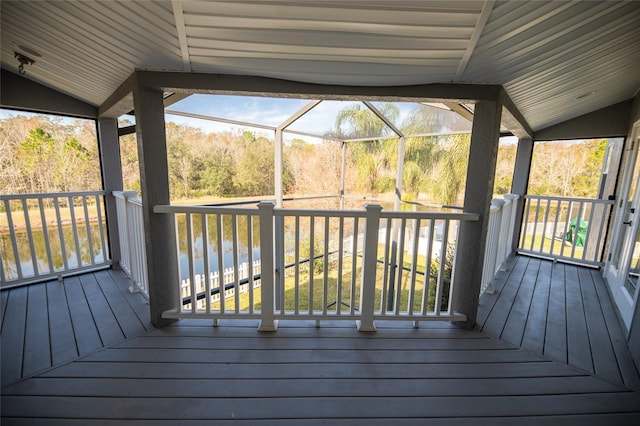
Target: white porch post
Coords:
[[267, 268], [159, 228], [109, 145], [477, 199], [369, 266]]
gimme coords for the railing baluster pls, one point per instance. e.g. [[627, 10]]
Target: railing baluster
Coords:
[[236, 278], [74, 227], [386, 255], [220, 250], [312, 254], [63, 245], [414, 265], [14, 240], [354, 261], [87, 224], [103, 243], [205, 262], [400, 265], [32, 249], [251, 274], [192, 274], [340, 265], [297, 265], [45, 234], [441, 269], [427, 272], [325, 278]]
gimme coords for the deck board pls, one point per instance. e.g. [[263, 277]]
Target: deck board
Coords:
[[283, 376], [48, 324], [107, 325], [519, 311], [571, 319], [555, 343], [536, 321], [604, 359], [307, 375], [37, 348], [63, 341], [495, 323], [85, 330], [578, 345], [623, 356], [13, 335]]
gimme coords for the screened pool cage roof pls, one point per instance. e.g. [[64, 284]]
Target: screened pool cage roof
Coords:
[[319, 119]]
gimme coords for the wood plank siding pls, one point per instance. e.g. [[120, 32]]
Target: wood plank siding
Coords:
[[191, 373], [563, 312]]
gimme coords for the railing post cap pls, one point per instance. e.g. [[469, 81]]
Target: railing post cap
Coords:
[[266, 205], [511, 196], [373, 207], [498, 202]]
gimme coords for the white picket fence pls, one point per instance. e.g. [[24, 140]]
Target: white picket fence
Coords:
[[228, 279]]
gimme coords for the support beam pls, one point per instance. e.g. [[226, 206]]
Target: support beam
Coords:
[[109, 146], [399, 173], [159, 228], [477, 199], [18, 92], [278, 167], [520, 183]]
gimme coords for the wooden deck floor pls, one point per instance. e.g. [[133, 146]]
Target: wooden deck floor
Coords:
[[561, 311], [50, 324], [195, 374]]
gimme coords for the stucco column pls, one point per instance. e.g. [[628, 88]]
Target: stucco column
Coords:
[[477, 199], [159, 229], [520, 183], [111, 167]]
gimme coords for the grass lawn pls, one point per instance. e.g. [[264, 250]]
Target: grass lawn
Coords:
[[316, 297]]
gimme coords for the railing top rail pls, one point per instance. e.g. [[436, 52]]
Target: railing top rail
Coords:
[[470, 217], [315, 212], [205, 210], [573, 199], [50, 195], [319, 212]]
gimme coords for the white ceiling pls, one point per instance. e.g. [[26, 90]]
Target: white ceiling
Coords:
[[545, 54]]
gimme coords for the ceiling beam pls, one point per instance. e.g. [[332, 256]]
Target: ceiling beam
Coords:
[[265, 86], [182, 33], [20, 93], [473, 41], [512, 118]]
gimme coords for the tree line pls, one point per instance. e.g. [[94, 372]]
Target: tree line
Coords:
[[49, 154]]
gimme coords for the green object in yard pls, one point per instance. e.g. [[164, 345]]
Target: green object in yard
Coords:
[[580, 234]]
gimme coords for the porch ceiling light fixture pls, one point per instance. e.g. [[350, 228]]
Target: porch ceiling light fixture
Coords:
[[24, 60]]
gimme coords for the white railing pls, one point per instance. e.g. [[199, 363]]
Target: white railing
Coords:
[[133, 254], [566, 229], [499, 237], [49, 235], [358, 265]]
